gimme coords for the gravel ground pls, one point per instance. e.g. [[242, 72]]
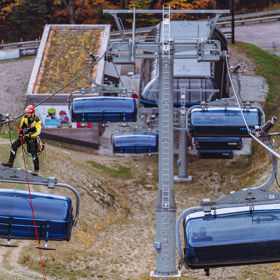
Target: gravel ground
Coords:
[[265, 35], [14, 78]]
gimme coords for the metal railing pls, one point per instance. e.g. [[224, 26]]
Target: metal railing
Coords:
[[26, 44]]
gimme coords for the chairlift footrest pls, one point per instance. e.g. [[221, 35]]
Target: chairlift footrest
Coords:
[[8, 245], [45, 248]]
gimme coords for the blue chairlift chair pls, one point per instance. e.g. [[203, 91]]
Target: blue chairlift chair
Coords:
[[222, 121], [53, 215], [240, 228], [103, 109], [136, 143], [218, 143], [233, 235]]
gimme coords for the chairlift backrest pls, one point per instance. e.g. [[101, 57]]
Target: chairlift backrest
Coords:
[[103, 109], [233, 235], [53, 215], [136, 143], [218, 143], [221, 121]]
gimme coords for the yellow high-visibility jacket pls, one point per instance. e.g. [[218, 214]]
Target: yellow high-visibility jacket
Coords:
[[31, 125]]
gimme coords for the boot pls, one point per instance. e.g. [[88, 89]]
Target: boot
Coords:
[[35, 173], [10, 164]]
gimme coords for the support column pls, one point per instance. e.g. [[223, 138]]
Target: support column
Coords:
[[165, 244], [182, 153]]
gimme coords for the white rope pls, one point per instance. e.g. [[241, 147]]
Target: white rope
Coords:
[[244, 119], [237, 99]]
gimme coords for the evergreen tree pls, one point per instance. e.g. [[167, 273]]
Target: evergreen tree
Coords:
[[28, 20]]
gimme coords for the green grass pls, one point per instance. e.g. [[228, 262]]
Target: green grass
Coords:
[[9, 132], [121, 172], [268, 66]]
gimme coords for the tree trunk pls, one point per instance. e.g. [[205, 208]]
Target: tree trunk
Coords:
[[69, 7]]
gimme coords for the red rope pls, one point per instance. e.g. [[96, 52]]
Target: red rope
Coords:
[[36, 232]]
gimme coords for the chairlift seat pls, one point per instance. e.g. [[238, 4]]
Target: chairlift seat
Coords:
[[103, 109], [212, 154], [233, 235], [53, 215], [220, 121], [136, 143], [218, 143]]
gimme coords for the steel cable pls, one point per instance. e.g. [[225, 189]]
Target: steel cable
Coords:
[[244, 119]]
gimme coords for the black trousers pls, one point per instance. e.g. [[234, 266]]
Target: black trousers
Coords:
[[32, 148]]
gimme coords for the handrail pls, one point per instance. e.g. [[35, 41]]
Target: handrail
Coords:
[[20, 44], [250, 15]]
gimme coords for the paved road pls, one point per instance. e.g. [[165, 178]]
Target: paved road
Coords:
[[264, 35]]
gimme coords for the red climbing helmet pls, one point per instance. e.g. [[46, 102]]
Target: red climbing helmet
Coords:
[[29, 109]]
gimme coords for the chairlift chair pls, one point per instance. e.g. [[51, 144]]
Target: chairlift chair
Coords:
[[53, 213], [240, 228], [103, 109], [136, 143], [226, 235], [222, 121]]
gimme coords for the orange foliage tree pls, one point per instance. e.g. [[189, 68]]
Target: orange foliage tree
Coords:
[[81, 11], [7, 7], [189, 5]]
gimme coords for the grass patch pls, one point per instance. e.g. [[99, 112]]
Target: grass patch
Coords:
[[121, 172], [8, 133], [268, 66]]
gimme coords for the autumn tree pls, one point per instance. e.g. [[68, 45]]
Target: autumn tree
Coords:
[[204, 4], [82, 11], [189, 5], [7, 8], [142, 19]]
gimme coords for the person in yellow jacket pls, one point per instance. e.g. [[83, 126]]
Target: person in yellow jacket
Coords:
[[30, 129]]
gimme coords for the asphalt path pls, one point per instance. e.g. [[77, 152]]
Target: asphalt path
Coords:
[[263, 35]]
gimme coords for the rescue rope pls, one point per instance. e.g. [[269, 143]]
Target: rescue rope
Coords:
[[31, 204]]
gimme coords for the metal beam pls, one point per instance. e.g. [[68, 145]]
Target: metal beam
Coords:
[[171, 11]]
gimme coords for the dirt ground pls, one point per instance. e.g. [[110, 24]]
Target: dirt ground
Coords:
[[116, 229], [114, 236]]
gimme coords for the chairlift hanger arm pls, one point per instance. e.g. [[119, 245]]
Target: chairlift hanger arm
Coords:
[[178, 222], [251, 194], [77, 201]]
